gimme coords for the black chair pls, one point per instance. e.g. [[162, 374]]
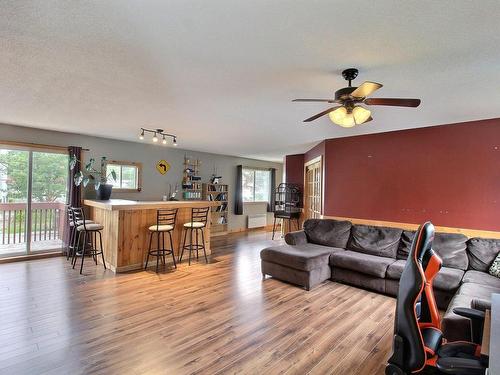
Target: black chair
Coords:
[[86, 238], [72, 232], [199, 218], [418, 345], [165, 223]]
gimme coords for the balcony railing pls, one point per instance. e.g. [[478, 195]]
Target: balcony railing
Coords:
[[47, 222]]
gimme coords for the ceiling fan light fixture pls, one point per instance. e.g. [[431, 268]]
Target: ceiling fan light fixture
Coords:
[[360, 114], [338, 115], [341, 116]]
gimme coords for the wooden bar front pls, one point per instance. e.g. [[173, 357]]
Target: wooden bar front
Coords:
[[126, 236]]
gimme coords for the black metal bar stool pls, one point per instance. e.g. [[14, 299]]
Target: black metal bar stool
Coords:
[[72, 232], [199, 217], [87, 232], [165, 223]]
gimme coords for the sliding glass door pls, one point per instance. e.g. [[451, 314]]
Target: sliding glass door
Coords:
[[33, 186]]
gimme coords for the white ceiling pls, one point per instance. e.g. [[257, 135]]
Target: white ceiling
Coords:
[[221, 73]]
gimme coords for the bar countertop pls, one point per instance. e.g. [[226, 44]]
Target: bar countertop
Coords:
[[124, 204]]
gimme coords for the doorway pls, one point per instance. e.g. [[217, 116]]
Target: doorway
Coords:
[[33, 191], [313, 187]]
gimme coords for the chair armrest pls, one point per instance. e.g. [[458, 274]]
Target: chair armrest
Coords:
[[477, 322], [469, 313], [296, 238]]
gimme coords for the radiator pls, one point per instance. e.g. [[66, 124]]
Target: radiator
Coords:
[[257, 221]]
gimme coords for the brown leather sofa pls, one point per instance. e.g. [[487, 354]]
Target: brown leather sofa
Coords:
[[373, 258]]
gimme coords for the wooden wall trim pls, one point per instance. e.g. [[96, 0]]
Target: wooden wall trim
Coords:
[[407, 226]]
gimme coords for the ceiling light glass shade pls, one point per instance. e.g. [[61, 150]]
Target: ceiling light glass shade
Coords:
[[175, 141], [141, 136], [342, 117], [360, 114], [164, 141], [155, 138]]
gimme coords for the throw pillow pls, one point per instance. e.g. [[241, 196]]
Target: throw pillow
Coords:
[[495, 267]]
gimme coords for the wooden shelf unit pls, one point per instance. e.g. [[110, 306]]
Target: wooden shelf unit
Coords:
[[218, 214], [191, 181]]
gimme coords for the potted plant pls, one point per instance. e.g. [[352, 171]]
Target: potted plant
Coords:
[[98, 177]]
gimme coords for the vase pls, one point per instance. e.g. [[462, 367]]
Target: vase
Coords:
[[103, 193]]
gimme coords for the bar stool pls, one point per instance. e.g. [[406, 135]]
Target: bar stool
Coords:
[[165, 223], [199, 217], [84, 229], [72, 232]]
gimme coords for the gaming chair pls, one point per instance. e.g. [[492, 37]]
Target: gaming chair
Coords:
[[419, 346]]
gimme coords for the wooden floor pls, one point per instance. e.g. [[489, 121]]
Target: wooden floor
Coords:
[[219, 318]]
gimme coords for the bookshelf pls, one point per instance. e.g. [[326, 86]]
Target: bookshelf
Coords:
[[191, 181], [218, 214]]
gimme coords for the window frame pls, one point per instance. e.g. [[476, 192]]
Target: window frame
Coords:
[[123, 163], [253, 169]]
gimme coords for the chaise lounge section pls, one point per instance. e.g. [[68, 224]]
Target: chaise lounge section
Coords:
[[373, 258]]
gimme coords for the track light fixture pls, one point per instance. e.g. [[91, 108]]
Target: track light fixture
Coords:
[[156, 133]]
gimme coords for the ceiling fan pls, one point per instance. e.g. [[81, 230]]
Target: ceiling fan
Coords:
[[350, 112]]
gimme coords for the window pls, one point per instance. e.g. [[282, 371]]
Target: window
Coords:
[[128, 175], [256, 185]]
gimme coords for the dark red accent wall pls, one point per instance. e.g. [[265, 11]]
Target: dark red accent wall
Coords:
[[448, 174], [294, 169]]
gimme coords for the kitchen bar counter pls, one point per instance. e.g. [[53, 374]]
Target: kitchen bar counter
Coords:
[[126, 236]]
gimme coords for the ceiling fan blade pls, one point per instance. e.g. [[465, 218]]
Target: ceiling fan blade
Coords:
[[393, 102], [314, 100], [325, 112], [367, 88]]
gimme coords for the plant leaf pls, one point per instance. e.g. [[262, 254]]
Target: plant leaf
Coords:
[[113, 174], [85, 181], [72, 162], [78, 178], [97, 184]]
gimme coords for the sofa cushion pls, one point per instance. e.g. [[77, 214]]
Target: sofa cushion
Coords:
[[301, 257], [362, 263], [477, 291], [447, 279], [328, 232], [482, 252], [395, 270], [451, 247], [380, 241], [405, 244], [481, 278]]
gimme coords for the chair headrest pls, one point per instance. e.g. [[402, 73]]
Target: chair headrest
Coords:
[[425, 236]]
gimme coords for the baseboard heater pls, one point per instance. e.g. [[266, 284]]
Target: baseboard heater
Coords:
[[257, 221]]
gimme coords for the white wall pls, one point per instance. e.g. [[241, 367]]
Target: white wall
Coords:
[[154, 185]]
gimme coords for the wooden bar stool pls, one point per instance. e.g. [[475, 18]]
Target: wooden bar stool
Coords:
[[72, 232], [199, 217], [165, 223], [87, 232]]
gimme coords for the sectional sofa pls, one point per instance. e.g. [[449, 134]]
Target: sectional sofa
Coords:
[[373, 258]]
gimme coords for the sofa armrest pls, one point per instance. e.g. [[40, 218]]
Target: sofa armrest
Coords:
[[480, 304], [296, 238]]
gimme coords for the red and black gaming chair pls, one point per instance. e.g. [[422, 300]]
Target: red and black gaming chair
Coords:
[[419, 346]]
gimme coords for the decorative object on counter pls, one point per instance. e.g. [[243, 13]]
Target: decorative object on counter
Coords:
[[287, 204], [191, 182], [218, 214], [162, 166], [98, 177], [158, 133], [215, 179], [172, 194]]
